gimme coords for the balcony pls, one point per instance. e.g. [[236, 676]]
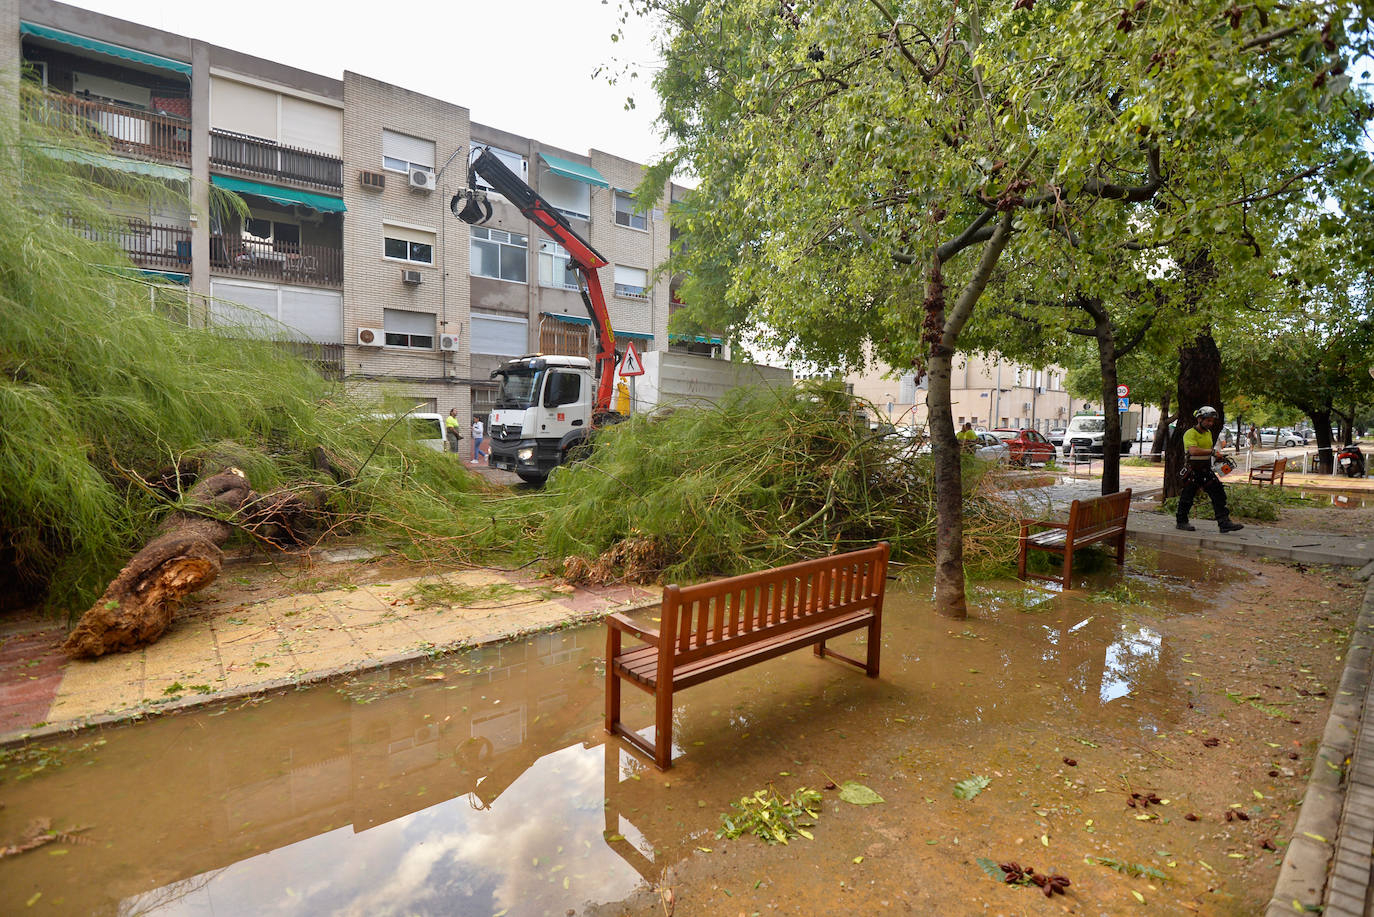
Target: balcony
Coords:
[[328, 359], [241, 153], [130, 131], [150, 245], [312, 265]]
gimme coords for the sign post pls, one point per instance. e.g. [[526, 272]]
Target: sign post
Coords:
[[631, 365]]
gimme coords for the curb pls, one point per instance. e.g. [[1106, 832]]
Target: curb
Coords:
[[1176, 539], [318, 676], [1326, 826]]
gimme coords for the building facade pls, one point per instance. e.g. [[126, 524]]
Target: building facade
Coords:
[[347, 247]]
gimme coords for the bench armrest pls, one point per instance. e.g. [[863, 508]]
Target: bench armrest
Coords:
[[622, 623]]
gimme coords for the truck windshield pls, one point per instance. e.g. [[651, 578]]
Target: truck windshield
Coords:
[[1090, 425], [519, 388]]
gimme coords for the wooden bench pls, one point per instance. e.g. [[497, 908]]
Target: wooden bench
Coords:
[[1271, 473], [713, 629], [1098, 519]]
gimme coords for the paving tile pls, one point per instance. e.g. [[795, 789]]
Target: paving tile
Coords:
[[386, 638]]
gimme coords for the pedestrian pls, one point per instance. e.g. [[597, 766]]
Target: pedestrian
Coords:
[[968, 440], [1252, 436], [451, 427], [1198, 448], [477, 433]]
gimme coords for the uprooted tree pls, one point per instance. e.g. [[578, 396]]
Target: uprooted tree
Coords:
[[863, 168]]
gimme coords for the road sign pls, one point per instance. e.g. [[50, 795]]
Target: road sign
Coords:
[[631, 364], [1123, 404], [1123, 391]]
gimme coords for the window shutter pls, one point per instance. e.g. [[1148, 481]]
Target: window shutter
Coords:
[[316, 314], [499, 335], [391, 231], [311, 126], [400, 321], [243, 109], [411, 149]]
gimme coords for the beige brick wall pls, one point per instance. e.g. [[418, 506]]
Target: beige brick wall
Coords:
[[10, 55], [373, 283], [645, 249]]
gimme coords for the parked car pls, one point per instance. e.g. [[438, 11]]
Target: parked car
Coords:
[[1056, 437], [1026, 447], [1273, 438], [992, 449], [425, 428]]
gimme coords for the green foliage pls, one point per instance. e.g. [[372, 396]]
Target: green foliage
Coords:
[[763, 479], [1135, 870], [772, 817], [101, 391]]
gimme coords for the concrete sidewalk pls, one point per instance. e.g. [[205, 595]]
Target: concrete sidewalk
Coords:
[[1148, 527], [215, 652]]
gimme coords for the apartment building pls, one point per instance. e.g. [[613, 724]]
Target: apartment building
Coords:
[[348, 246], [988, 392]]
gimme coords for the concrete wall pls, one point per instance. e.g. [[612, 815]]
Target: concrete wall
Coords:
[[684, 379]]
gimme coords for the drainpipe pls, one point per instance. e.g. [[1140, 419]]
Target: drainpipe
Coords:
[[443, 258]]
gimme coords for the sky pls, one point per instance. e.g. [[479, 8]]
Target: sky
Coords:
[[524, 67]]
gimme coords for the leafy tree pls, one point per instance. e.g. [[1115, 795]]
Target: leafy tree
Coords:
[[863, 168]]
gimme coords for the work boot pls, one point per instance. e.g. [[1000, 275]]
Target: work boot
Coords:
[[1183, 526], [1226, 525]]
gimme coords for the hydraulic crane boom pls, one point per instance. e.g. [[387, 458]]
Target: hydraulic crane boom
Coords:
[[470, 206]]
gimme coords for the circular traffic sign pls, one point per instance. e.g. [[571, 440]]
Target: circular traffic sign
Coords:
[[1123, 391]]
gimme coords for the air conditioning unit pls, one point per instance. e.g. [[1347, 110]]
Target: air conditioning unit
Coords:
[[375, 181], [448, 342], [1026, 406], [371, 337], [423, 180], [411, 277], [1040, 390]]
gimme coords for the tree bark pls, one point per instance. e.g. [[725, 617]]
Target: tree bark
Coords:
[[1105, 336], [182, 557], [1326, 458], [941, 333], [1161, 440], [1199, 383]]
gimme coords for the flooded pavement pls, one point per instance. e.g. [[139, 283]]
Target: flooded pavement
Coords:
[[484, 784]]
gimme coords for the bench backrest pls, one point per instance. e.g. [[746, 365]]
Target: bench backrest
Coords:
[[712, 618], [1107, 512], [1279, 465]]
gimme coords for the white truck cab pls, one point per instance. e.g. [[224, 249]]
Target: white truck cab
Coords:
[[542, 415], [1085, 433]]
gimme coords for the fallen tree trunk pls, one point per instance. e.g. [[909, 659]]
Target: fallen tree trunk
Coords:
[[182, 557]]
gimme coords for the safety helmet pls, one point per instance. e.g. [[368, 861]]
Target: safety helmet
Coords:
[[1205, 411]]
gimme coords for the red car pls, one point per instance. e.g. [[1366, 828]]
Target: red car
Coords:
[[1027, 447]]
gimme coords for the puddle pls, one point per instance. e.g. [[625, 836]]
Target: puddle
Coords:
[[484, 784], [1356, 500]]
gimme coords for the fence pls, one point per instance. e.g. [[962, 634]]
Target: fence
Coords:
[[126, 130], [272, 160], [314, 265]]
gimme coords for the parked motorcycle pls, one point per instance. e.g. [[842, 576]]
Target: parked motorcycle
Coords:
[[1350, 461]]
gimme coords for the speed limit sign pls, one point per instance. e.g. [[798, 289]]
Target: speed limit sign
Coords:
[[1123, 391]]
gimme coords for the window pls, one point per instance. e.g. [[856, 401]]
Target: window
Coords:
[[402, 244], [631, 282], [501, 335], [409, 329], [625, 212], [401, 152], [562, 388], [513, 161], [555, 266], [569, 197], [499, 254], [283, 237]]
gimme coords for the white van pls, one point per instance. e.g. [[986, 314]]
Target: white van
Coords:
[[425, 428]]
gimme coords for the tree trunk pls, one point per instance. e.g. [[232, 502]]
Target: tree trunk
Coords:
[[1199, 383], [949, 490], [182, 557], [1326, 459], [1161, 439], [1111, 435]]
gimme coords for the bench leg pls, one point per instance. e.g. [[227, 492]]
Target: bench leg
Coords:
[[1121, 549], [875, 641], [819, 649], [612, 680], [1068, 566], [663, 724], [1023, 545]]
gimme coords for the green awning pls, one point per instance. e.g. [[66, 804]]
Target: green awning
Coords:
[[100, 160], [697, 338], [574, 170], [104, 47], [579, 320], [321, 202]]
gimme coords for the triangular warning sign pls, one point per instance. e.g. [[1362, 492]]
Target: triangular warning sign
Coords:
[[631, 364]]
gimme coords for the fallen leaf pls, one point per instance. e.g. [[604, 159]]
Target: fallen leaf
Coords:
[[858, 795]]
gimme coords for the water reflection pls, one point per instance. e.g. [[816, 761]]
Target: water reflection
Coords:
[[488, 786]]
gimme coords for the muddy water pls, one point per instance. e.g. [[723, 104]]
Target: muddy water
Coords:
[[1345, 500], [483, 784]]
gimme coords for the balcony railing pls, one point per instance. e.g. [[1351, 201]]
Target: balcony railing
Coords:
[[150, 245], [327, 358], [131, 131], [272, 160], [288, 262]]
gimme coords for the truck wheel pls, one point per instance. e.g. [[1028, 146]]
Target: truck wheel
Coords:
[[533, 477]]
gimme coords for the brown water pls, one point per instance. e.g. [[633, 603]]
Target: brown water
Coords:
[[483, 784]]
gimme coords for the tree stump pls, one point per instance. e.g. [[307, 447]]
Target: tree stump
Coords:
[[182, 557]]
